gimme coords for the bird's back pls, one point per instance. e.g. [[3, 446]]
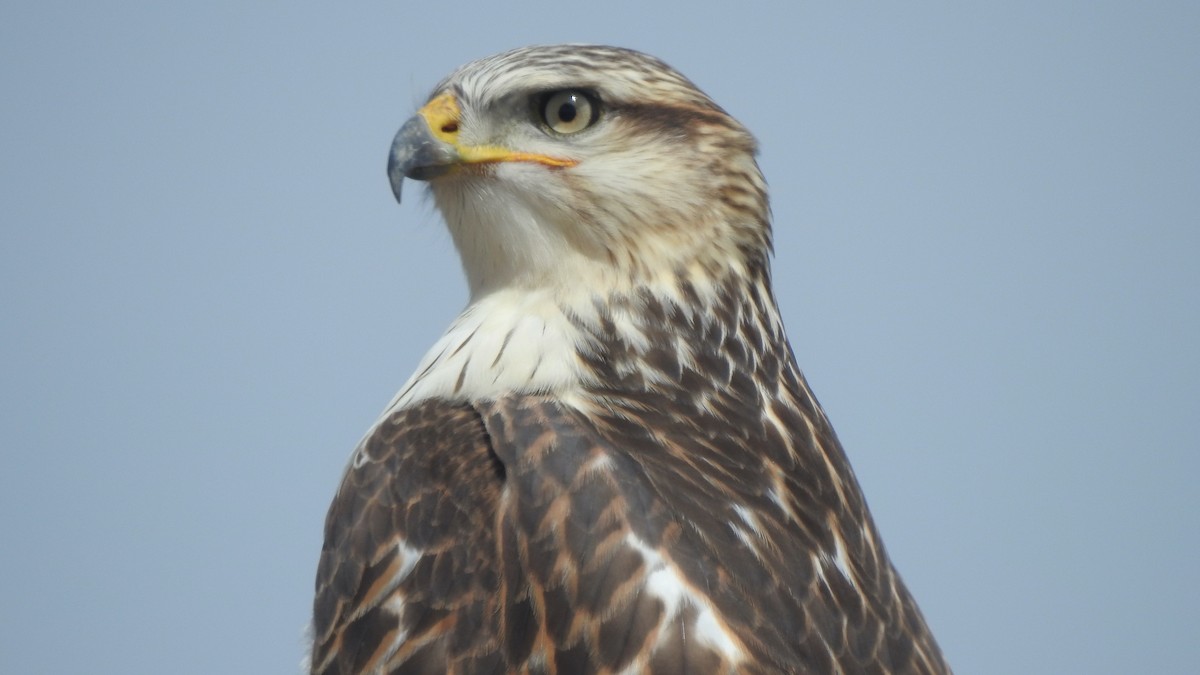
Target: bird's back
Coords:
[[695, 513]]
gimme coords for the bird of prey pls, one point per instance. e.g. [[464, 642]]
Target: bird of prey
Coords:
[[610, 462]]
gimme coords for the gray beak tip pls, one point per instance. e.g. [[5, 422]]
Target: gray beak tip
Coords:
[[395, 176]]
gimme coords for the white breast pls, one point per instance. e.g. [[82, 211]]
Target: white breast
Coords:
[[508, 341]]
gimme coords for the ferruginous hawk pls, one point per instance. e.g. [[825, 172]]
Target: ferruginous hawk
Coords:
[[610, 462]]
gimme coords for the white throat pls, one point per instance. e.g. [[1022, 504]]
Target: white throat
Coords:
[[540, 340]]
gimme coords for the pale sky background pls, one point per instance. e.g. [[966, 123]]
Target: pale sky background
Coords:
[[987, 256]]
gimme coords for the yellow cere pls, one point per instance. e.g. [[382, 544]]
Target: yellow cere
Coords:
[[442, 115]]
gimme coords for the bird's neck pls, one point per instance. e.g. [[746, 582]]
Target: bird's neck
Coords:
[[662, 342], [579, 342]]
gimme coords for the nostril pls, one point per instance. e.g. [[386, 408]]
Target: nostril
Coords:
[[450, 127]]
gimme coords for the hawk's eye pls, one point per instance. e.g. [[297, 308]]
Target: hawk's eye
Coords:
[[569, 111]]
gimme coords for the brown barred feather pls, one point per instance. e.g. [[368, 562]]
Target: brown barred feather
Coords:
[[523, 508]]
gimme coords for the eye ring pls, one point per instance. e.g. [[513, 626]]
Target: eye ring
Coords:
[[568, 111]]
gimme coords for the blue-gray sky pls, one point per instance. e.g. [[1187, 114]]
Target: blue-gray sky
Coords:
[[987, 255]]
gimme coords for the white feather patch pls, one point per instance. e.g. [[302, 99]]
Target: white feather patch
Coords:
[[506, 342], [665, 582]]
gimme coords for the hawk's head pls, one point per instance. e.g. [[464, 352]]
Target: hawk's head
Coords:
[[572, 165]]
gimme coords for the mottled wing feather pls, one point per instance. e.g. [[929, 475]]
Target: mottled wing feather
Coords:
[[576, 571], [620, 552], [524, 536], [407, 576]]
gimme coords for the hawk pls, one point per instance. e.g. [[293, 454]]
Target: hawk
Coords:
[[610, 462]]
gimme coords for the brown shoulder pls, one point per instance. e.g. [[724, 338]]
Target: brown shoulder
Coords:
[[407, 574]]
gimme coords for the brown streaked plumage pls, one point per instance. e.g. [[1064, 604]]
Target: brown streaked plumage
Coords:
[[611, 463]]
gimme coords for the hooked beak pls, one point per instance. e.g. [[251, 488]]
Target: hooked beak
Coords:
[[427, 146], [418, 155]]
